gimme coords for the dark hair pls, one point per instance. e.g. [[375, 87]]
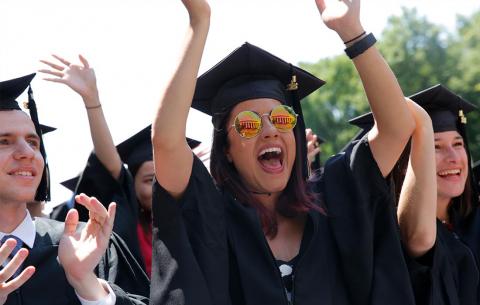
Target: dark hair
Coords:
[[144, 216], [463, 204], [295, 199]]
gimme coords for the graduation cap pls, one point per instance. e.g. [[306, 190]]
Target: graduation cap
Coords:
[[71, 183], [446, 109], [10, 90], [248, 73], [137, 149], [134, 151], [46, 129]]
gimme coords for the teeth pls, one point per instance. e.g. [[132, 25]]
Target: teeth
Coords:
[[276, 150], [23, 173], [449, 172]]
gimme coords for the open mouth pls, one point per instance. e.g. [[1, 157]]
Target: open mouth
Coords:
[[22, 173], [449, 173], [271, 159]]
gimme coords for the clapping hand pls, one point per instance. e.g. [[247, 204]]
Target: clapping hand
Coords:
[[80, 252]]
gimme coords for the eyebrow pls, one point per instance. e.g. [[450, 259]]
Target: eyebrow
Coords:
[[28, 136], [456, 138]]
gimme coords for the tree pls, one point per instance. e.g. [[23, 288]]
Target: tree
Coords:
[[420, 53]]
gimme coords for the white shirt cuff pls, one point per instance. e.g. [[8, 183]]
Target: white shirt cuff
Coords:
[[110, 299]]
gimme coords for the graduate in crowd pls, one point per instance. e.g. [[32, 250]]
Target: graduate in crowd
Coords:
[[45, 261], [259, 232], [438, 203], [105, 176], [441, 230]]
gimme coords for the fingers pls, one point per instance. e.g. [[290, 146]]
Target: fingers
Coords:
[[62, 60], [13, 265], [97, 211], [52, 65], [112, 209], [320, 5], [84, 61], [15, 283], [71, 222], [7, 248]]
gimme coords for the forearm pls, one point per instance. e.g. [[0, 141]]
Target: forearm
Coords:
[[417, 203], [172, 155], [170, 121], [89, 288], [384, 94], [103, 145]]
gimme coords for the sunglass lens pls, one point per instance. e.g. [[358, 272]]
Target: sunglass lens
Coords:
[[248, 124], [283, 118]]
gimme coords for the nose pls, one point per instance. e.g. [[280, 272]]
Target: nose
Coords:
[[23, 150], [268, 129], [452, 156]]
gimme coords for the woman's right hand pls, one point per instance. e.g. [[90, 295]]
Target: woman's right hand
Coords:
[[79, 77]]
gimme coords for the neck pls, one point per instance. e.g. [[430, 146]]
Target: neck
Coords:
[[442, 208], [11, 216], [268, 200]]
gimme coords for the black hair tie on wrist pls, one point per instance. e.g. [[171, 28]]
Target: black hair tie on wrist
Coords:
[[360, 46], [355, 38]]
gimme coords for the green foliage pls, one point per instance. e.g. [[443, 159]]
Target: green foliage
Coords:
[[420, 53]]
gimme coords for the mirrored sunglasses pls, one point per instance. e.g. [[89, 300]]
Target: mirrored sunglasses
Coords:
[[248, 124]]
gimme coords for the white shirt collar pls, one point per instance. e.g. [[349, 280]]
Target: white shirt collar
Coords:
[[25, 231]]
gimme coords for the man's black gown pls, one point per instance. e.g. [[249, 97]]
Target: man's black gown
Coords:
[[48, 285]]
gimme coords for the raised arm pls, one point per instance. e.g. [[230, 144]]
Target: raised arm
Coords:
[[393, 122], [81, 79], [417, 205], [172, 155]]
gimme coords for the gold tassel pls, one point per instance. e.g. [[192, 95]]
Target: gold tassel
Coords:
[[463, 118], [293, 84]]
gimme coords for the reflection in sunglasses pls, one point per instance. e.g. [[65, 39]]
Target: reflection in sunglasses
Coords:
[[249, 123]]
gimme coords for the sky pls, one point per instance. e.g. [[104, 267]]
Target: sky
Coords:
[[133, 47]]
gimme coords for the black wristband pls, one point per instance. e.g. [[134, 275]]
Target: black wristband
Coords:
[[360, 46]]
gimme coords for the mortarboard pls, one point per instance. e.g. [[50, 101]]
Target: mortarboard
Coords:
[[250, 72], [46, 129], [10, 90], [446, 109], [134, 151], [138, 148]]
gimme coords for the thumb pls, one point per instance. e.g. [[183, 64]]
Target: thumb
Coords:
[[71, 222]]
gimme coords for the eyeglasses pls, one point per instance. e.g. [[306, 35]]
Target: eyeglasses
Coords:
[[248, 124]]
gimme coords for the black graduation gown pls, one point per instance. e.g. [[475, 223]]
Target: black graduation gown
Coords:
[[354, 255], [48, 285], [448, 274], [97, 181]]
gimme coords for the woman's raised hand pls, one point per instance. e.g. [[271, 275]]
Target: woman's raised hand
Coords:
[[198, 10], [79, 77], [342, 16]]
